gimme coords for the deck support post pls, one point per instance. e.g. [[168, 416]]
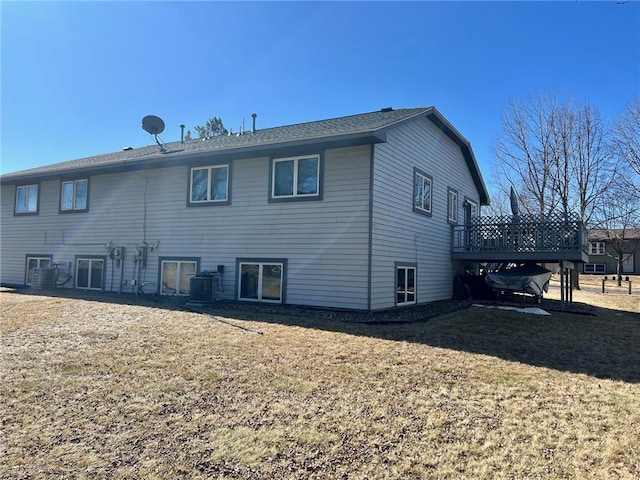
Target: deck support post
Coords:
[[566, 287], [562, 280]]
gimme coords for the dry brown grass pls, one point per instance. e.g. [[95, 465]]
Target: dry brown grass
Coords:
[[93, 389], [615, 297]]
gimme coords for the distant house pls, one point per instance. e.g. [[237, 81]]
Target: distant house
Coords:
[[605, 247], [353, 212]]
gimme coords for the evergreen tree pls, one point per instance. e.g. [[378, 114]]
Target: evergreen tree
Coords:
[[213, 128]]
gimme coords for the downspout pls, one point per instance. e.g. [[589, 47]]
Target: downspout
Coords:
[[121, 271], [113, 267], [139, 260]]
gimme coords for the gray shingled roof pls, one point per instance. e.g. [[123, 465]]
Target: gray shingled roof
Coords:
[[318, 130], [601, 234], [354, 129]]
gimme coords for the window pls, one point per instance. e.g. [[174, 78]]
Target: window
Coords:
[[74, 195], [90, 273], [405, 285], [452, 205], [470, 210], [36, 261], [597, 248], [176, 274], [261, 281], [26, 199], [295, 178], [209, 185], [595, 268], [422, 192]]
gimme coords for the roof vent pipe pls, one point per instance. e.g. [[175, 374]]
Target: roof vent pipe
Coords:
[[253, 128], [182, 133]]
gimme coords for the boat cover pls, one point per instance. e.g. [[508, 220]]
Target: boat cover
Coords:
[[530, 278]]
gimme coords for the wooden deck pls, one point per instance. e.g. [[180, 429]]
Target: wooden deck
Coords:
[[525, 238]]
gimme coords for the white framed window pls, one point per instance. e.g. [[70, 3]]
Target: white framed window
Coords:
[[452, 205], [595, 268], [74, 195], [405, 285], [597, 248], [90, 273], [26, 199], [295, 178], [176, 274], [36, 261], [261, 281], [209, 185], [422, 192]]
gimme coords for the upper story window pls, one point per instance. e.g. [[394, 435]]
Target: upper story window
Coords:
[[470, 209], [597, 248], [74, 195], [422, 192], [26, 199], [452, 205], [296, 178], [209, 185]]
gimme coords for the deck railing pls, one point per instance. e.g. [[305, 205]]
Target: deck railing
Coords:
[[526, 233]]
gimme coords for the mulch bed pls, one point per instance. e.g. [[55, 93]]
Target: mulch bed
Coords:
[[226, 308]]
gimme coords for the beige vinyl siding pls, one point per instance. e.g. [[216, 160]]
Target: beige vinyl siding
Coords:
[[401, 235], [325, 242]]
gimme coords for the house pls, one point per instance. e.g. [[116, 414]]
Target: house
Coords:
[[353, 212], [605, 248]]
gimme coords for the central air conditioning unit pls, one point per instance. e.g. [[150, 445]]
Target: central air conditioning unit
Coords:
[[202, 289], [43, 278]]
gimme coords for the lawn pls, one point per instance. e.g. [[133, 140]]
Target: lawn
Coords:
[[95, 389]]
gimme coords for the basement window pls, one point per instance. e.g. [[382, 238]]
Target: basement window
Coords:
[[36, 261], [90, 273], [405, 285], [176, 274], [261, 281], [595, 268]]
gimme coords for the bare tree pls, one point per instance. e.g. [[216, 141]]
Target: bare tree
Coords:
[[619, 223], [557, 154], [499, 206], [525, 152], [627, 142], [563, 154], [594, 164]]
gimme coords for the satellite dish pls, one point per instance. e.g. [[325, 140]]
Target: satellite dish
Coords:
[[152, 124]]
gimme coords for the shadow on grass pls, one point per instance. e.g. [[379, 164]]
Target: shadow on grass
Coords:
[[603, 344]]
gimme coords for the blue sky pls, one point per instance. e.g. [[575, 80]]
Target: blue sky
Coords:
[[78, 77]]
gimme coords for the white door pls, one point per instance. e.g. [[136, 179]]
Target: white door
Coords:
[[627, 263]]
